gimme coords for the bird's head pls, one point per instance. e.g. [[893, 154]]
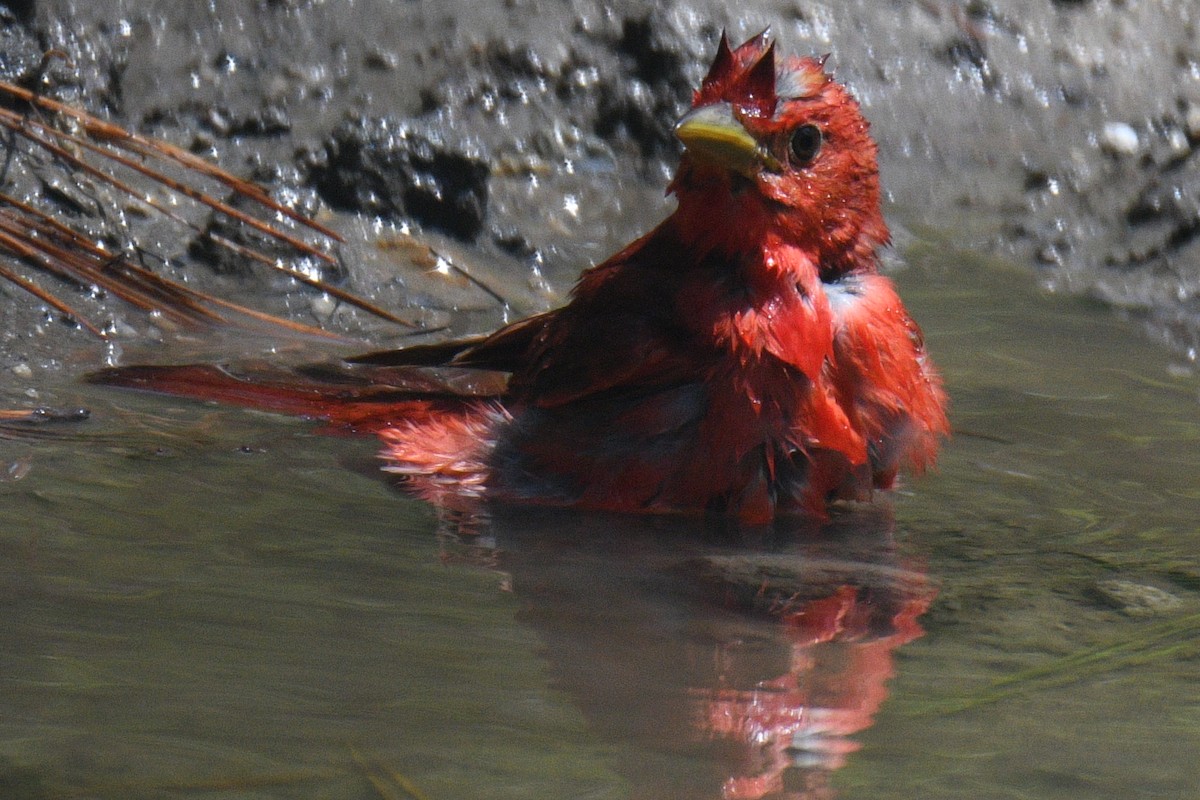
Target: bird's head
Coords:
[[779, 150]]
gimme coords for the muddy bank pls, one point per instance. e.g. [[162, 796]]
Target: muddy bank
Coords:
[[526, 139]]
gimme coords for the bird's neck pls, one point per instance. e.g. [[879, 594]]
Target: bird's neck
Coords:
[[721, 219], [723, 216], [743, 251]]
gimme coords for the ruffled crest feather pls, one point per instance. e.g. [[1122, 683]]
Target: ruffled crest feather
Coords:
[[744, 76], [802, 77], [747, 77]]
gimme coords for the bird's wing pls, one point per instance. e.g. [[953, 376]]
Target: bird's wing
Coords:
[[610, 351], [622, 333], [505, 350], [619, 332], [881, 372]]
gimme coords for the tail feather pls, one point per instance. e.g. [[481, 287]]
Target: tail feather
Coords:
[[438, 440], [362, 407]]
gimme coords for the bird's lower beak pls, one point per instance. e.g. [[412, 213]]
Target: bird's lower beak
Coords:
[[712, 135]]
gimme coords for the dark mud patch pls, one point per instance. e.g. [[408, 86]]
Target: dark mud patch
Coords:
[[382, 168]]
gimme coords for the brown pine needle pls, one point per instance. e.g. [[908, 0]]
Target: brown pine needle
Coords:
[[22, 125], [46, 297], [48, 244], [172, 299], [121, 137], [316, 283], [144, 289], [247, 252], [90, 264]]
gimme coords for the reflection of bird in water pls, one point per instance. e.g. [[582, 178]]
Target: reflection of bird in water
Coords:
[[744, 357], [798, 725], [723, 667]]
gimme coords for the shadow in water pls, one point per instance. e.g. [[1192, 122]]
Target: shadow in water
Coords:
[[724, 664]]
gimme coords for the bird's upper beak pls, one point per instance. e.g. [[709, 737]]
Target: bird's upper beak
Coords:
[[712, 135]]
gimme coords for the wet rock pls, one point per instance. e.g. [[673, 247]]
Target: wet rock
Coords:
[[500, 72], [623, 79], [67, 197], [1136, 599], [513, 242], [19, 50], [1164, 217], [381, 167], [21, 10], [968, 52], [209, 245], [513, 64], [270, 120]]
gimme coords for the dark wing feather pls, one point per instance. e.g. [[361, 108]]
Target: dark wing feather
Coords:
[[506, 350], [622, 333]]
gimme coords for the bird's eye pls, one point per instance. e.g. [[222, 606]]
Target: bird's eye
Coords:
[[805, 144]]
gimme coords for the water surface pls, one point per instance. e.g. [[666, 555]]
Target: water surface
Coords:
[[206, 602]]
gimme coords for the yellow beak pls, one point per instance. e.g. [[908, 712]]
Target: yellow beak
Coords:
[[713, 136]]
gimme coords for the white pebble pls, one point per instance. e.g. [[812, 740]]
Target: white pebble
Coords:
[[1119, 138], [1192, 121], [323, 306]]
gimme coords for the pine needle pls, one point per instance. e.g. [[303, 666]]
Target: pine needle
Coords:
[[102, 151]]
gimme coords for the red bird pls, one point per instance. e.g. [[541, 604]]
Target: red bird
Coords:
[[744, 357]]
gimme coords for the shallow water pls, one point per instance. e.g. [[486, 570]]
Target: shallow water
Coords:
[[204, 602]]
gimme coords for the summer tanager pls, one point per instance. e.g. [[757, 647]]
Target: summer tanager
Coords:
[[745, 357]]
